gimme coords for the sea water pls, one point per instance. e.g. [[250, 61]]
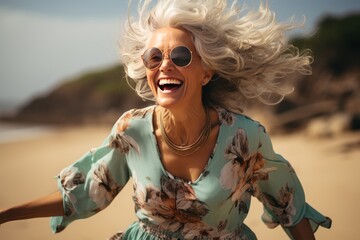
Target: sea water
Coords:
[[10, 132]]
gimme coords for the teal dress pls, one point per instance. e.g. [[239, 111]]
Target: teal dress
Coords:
[[242, 164]]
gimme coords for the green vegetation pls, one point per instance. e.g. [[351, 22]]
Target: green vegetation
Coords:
[[335, 44], [101, 96], [108, 81]]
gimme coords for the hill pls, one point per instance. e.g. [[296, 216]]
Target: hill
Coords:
[[96, 97], [331, 92], [330, 97]]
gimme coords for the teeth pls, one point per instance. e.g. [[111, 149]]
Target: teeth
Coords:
[[169, 81]]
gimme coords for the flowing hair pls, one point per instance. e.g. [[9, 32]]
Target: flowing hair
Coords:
[[247, 50]]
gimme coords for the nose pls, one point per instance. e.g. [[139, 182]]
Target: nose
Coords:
[[166, 63]]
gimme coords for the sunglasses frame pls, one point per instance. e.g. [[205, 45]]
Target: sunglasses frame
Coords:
[[163, 55]]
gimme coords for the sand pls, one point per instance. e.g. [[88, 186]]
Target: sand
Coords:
[[326, 167]]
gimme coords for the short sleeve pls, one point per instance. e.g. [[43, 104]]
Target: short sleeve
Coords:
[[90, 184], [281, 192]]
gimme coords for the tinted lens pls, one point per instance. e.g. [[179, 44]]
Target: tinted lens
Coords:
[[181, 56], [152, 58]]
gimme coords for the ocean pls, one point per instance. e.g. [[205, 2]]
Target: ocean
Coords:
[[10, 132]]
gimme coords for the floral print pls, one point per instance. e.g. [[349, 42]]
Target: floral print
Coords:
[[103, 188], [225, 117], [283, 207], [117, 236], [213, 207], [122, 141], [123, 122], [70, 178], [173, 207], [141, 113], [242, 170]]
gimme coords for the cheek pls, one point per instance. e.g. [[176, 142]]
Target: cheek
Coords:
[[150, 76], [197, 71], [196, 76]]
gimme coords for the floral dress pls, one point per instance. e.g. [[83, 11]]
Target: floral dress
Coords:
[[243, 164]]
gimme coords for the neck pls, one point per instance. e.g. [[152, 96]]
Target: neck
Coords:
[[183, 126]]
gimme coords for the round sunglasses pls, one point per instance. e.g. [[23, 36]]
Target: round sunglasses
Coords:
[[181, 56]]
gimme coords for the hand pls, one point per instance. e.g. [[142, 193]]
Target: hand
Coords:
[[2, 216], [47, 206], [302, 230]]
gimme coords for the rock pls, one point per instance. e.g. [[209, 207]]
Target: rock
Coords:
[[329, 126], [318, 128], [339, 123]]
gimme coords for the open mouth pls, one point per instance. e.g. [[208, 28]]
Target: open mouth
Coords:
[[169, 84]]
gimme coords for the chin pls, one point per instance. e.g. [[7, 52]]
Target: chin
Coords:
[[166, 103], [170, 100]]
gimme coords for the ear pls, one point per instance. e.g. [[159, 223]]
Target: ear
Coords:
[[208, 73]]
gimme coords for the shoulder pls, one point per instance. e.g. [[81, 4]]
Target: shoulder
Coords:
[[241, 126], [238, 120], [138, 112], [123, 123]]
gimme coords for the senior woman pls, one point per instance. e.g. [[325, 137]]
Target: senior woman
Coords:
[[194, 159]]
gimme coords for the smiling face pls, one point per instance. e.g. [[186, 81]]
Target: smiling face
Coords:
[[174, 86]]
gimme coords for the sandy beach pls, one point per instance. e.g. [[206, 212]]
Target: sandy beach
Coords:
[[326, 167]]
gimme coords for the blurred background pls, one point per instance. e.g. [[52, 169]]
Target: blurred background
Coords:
[[62, 87], [59, 60]]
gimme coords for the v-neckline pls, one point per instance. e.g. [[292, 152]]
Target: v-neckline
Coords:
[[158, 155]]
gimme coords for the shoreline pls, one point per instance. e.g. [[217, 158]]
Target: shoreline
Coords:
[[28, 167], [13, 132]]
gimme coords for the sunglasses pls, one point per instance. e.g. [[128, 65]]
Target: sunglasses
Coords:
[[180, 56]]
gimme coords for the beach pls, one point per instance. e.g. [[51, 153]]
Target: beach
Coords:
[[327, 168]]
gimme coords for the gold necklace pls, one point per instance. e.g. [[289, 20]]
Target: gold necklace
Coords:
[[186, 150]]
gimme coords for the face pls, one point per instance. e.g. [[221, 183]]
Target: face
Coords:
[[172, 85]]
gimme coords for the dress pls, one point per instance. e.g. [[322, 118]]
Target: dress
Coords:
[[243, 164]]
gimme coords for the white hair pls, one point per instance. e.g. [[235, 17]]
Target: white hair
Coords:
[[248, 51]]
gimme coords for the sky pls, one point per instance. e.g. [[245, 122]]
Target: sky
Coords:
[[46, 42]]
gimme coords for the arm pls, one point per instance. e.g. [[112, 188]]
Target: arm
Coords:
[[284, 198], [47, 206], [302, 230]]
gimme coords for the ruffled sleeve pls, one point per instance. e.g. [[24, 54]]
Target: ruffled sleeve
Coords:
[[91, 183], [281, 192]]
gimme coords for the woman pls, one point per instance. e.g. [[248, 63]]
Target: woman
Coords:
[[194, 159]]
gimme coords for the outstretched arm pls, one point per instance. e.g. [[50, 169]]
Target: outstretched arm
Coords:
[[47, 206], [302, 230]]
